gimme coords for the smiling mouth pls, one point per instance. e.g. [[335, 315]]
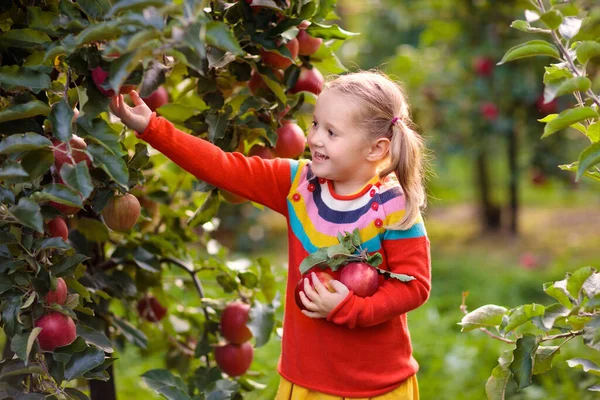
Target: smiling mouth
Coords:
[[320, 157]]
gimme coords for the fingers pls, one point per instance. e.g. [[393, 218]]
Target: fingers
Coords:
[[135, 97], [307, 303], [339, 287], [319, 287]]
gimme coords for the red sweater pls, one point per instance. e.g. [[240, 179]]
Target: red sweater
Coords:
[[363, 348]]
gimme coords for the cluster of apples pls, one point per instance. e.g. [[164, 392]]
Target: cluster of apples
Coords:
[[235, 356], [57, 329], [359, 277]]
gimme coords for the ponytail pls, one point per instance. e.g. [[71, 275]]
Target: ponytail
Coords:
[[406, 162]]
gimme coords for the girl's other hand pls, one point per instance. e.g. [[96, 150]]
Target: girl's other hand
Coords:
[[320, 301], [137, 117]]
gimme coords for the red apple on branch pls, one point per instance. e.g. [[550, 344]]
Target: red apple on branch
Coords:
[[483, 66], [57, 330], [276, 60], [261, 151], [63, 208], [234, 359], [157, 99], [58, 296], [233, 323], [361, 278], [99, 75], [122, 212], [307, 45], [489, 111], [150, 309], [61, 156], [309, 80], [291, 140], [58, 228], [323, 276]]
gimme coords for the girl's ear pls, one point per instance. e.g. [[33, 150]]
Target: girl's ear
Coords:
[[379, 150]]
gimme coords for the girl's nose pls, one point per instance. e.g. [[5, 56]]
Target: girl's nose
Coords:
[[314, 139]]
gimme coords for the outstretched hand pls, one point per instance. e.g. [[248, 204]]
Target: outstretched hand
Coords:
[[137, 117], [319, 302]]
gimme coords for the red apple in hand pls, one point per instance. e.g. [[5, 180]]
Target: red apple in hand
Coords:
[[57, 330], [58, 228], [233, 323], [157, 99], [150, 309], [360, 278], [234, 359], [290, 140], [58, 296], [309, 80], [323, 276], [122, 212]]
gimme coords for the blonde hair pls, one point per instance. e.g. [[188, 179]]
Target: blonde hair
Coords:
[[379, 101]]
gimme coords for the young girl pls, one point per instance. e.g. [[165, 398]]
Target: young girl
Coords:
[[366, 172]]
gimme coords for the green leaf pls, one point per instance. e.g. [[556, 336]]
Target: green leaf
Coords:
[[23, 38], [591, 333], [530, 49], [248, 279], [33, 369], [262, 320], [338, 250], [593, 132], [524, 26], [266, 279], [127, 5], [569, 27], [275, 88], [400, 277], [28, 213], [103, 31], [114, 165], [94, 337], [553, 312], [59, 193], [23, 142], [64, 266], [552, 19], [556, 73], [488, 315], [166, 384], [327, 32], [50, 243], [558, 290], [495, 387], [567, 86], [78, 178], [543, 358], [217, 125], [587, 50], [586, 365], [522, 365], [219, 35], [60, 117], [206, 211], [22, 111], [37, 163], [12, 77], [313, 259], [577, 279], [22, 344], [131, 333], [100, 131], [568, 118], [375, 260], [94, 8], [588, 158], [356, 241], [523, 314], [93, 230], [12, 171], [83, 362], [121, 68], [76, 394]]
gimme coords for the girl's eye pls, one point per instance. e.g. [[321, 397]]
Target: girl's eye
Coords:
[[314, 124], [331, 133]]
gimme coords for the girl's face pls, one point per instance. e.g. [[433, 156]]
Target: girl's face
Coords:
[[339, 149]]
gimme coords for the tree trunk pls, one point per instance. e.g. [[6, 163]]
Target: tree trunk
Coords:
[[513, 184], [490, 212]]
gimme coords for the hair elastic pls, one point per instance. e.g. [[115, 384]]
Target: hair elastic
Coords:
[[394, 120]]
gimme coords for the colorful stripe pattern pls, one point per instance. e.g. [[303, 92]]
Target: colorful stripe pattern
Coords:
[[316, 216]]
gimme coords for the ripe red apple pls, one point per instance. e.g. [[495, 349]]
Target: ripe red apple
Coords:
[[310, 80], [150, 309], [58, 228], [489, 111], [99, 76], [256, 82], [546, 108], [232, 197], [323, 276], [233, 323], [234, 359], [60, 152], [307, 45], [275, 60], [66, 210], [156, 99], [57, 330], [483, 66], [122, 212], [261, 151], [58, 296], [290, 140], [360, 278]]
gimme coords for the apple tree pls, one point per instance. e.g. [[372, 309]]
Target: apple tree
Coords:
[[535, 333], [94, 224]]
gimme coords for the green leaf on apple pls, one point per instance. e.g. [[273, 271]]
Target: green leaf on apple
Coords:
[[60, 117], [313, 259], [27, 212], [78, 178]]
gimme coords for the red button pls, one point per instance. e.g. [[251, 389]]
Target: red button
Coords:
[[321, 180], [311, 187], [296, 197], [375, 206], [378, 223], [372, 193]]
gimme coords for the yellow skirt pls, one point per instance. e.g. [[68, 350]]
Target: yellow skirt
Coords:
[[408, 390]]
